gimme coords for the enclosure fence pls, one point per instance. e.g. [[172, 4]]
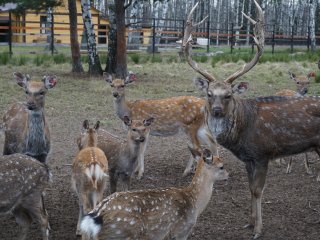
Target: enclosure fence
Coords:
[[150, 34]]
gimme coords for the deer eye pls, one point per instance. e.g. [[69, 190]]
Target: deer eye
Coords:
[[209, 94], [111, 85], [221, 168], [41, 93], [134, 130], [227, 96], [298, 82], [27, 92]]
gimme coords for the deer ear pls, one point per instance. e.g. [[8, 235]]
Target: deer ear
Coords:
[[85, 124], [201, 84], [107, 77], [311, 74], [127, 121], [49, 81], [97, 125], [207, 156], [147, 122], [292, 76], [130, 78], [21, 79], [240, 87]]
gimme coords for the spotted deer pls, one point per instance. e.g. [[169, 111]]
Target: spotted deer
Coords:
[[25, 125], [172, 115], [23, 181], [255, 130], [89, 171], [156, 213], [123, 154], [302, 86]]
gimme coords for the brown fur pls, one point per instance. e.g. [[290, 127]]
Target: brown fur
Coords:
[[22, 182], [156, 213]]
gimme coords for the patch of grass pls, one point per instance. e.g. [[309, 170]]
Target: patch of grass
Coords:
[[41, 59], [4, 58], [317, 78], [135, 58], [60, 58], [156, 59]]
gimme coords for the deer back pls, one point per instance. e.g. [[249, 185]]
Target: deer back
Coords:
[[20, 177]]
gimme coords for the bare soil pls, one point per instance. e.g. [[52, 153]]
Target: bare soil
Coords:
[[291, 205]]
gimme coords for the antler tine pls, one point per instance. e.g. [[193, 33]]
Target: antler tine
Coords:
[[187, 46], [258, 32]]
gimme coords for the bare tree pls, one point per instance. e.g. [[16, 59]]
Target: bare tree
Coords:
[[312, 25], [75, 48]]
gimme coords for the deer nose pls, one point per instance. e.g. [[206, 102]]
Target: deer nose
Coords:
[[115, 94], [141, 139], [217, 111], [31, 105]]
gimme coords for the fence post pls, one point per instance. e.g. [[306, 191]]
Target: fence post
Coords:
[[10, 34], [208, 35], [52, 34], [309, 39], [153, 35], [273, 39], [231, 40], [292, 39]]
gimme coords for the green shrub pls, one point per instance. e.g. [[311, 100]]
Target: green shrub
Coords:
[[144, 59], [135, 58], [4, 58], [156, 59], [317, 78], [59, 58], [22, 60], [41, 59]]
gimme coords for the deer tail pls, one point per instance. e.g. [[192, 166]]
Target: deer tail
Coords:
[[95, 173]]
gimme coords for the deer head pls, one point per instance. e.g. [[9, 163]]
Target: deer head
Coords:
[[35, 90], [302, 82], [89, 136], [138, 130], [220, 94], [118, 85]]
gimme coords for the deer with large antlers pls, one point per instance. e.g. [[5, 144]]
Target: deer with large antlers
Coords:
[[172, 115], [169, 213], [256, 130], [25, 125], [89, 171]]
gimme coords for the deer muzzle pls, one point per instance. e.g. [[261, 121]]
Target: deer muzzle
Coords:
[[217, 111]]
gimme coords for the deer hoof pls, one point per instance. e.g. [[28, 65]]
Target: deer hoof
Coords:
[[257, 236], [248, 226]]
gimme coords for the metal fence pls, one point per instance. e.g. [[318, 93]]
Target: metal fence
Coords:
[[151, 34]]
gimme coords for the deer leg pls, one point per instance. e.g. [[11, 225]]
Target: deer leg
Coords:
[[195, 145], [289, 167], [306, 164], [318, 152], [113, 181], [81, 213], [257, 175], [23, 220]]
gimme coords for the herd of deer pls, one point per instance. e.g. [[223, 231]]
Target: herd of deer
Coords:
[[255, 130]]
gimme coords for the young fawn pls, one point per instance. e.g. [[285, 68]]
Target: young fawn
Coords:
[[123, 154], [155, 214], [89, 171], [172, 115], [25, 125], [302, 85], [23, 180]]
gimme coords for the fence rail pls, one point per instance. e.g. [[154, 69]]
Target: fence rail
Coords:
[[153, 34]]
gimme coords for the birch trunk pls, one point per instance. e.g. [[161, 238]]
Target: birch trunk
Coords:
[[94, 61], [312, 25], [134, 37], [248, 25]]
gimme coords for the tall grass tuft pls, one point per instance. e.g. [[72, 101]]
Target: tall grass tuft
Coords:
[[156, 59], [317, 78], [135, 58], [41, 59], [4, 58], [59, 58]]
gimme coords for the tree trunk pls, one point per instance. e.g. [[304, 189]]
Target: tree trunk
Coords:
[[312, 25], [134, 37], [248, 25], [121, 59], [75, 48], [94, 61], [112, 42]]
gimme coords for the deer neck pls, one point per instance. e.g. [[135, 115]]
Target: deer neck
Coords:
[[132, 149], [121, 107], [35, 137], [91, 141], [200, 188], [227, 129]]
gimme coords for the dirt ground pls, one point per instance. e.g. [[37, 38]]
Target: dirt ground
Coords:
[[291, 205]]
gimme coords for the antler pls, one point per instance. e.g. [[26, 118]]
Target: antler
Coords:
[[186, 45], [258, 39]]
